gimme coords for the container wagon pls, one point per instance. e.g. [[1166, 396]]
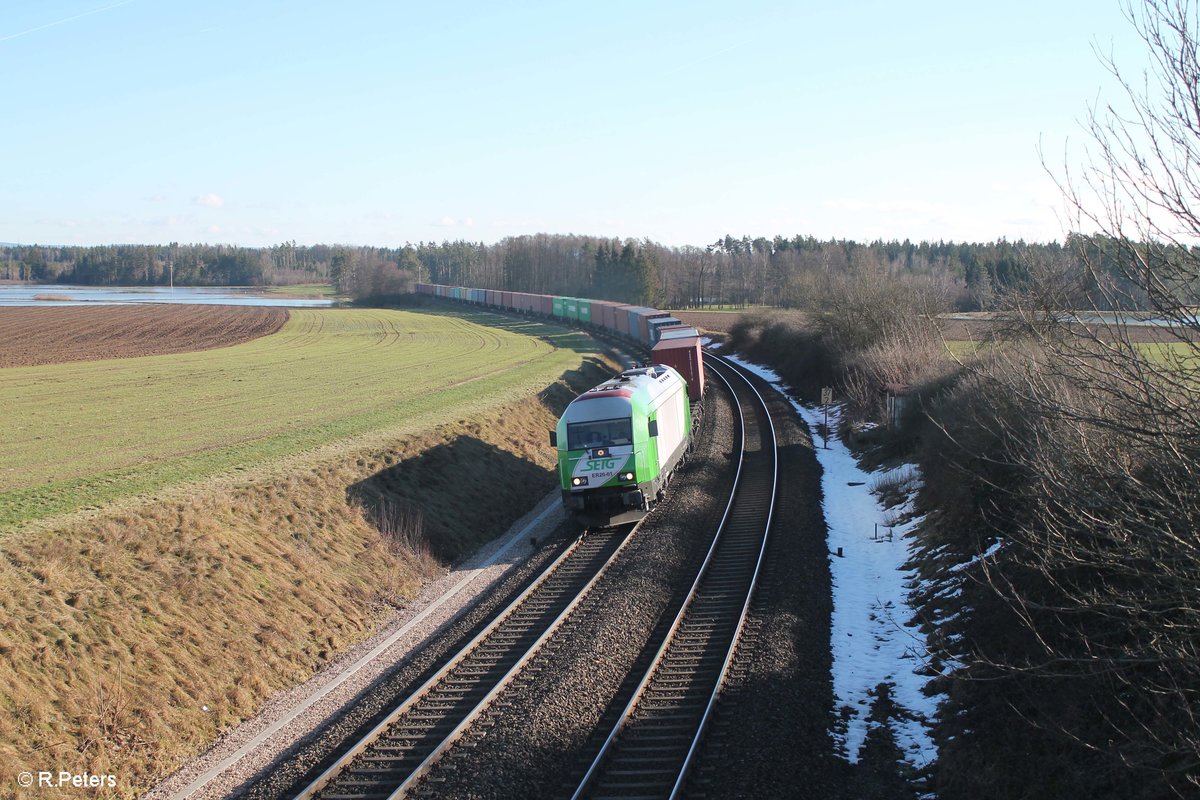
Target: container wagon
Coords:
[[686, 357], [657, 323], [679, 332]]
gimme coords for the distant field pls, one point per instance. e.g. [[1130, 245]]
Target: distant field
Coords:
[[984, 327], [720, 321], [1184, 355], [31, 336], [81, 434], [1159, 346], [303, 290]]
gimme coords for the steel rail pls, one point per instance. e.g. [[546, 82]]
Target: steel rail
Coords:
[[690, 602], [741, 625], [428, 687]]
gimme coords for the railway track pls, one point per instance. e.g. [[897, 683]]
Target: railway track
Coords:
[[651, 748], [649, 751], [393, 756]]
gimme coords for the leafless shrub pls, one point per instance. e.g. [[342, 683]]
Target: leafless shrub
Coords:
[[403, 527], [1094, 614], [860, 310], [908, 352], [897, 481], [109, 725]]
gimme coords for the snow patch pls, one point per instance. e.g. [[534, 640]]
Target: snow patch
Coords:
[[871, 638]]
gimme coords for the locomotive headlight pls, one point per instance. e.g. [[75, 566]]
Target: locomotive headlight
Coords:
[[579, 481], [626, 476]]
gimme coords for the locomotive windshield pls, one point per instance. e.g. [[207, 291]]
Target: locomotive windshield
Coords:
[[601, 433]]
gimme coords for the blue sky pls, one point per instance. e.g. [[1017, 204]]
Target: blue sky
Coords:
[[257, 122]]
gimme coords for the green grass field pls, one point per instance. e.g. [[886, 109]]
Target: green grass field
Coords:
[[82, 434], [1173, 354], [305, 290]]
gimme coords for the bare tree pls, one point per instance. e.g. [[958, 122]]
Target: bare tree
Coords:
[[1096, 432]]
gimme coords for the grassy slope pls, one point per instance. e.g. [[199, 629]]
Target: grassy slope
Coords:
[[84, 434], [123, 626]]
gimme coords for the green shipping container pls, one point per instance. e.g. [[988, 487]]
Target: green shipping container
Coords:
[[570, 308], [585, 311], [559, 303]]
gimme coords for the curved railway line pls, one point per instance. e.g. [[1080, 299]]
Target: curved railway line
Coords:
[[654, 742]]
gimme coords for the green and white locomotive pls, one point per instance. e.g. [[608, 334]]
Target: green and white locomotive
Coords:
[[619, 443]]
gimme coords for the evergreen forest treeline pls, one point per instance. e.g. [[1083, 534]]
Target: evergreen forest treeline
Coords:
[[790, 272]]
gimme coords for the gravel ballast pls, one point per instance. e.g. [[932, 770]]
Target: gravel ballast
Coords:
[[770, 735], [540, 735]]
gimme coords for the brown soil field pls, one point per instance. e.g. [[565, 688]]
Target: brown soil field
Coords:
[[720, 321], [985, 329], [31, 336]]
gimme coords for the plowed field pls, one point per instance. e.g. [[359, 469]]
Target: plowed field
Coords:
[[53, 335], [720, 321], [984, 329]]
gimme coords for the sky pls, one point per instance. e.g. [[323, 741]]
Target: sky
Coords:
[[379, 123]]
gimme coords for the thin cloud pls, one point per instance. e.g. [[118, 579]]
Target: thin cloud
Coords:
[[452, 222], [209, 200], [64, 20]]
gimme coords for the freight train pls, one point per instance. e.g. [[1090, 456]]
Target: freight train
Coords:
[[669, 341], [618, 443]]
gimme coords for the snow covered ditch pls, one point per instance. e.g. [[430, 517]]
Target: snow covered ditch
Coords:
[[871, 641]]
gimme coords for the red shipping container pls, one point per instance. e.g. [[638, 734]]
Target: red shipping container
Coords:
[[621, 318], [685, 356], [606, 320], [611, 314]]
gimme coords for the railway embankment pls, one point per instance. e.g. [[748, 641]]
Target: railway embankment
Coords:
[[1054, 518], [162, 622]]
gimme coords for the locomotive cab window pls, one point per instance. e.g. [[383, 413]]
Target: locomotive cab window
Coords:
[[601, 433]]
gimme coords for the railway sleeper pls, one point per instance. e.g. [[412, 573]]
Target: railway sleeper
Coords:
[[427, 716], [373, 775], [658, 727], [682, 700], [624, 787], [396, 751], [683, 663]]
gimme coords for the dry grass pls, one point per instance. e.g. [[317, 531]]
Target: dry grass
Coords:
[[895, 486], [135, 638]]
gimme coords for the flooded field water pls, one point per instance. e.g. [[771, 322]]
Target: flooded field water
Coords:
[[56, 295]]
